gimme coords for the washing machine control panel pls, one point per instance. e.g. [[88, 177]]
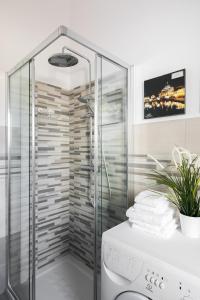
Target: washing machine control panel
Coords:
[[154, 280], [129, 266], [148, 276], [164, 282]]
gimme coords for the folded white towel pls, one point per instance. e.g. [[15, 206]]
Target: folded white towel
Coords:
[[164, 232], [151, 218], [151, 199], [159, 209], [129, 212], [153, 213]]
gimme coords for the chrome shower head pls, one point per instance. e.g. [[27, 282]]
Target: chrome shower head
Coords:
[[63, 60], [85, 99]]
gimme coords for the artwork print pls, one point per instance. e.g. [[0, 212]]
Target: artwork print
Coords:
[[165, 95]]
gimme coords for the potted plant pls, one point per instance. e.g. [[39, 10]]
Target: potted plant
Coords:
[[183, 191]]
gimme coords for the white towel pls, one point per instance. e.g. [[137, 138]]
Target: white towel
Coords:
[[159, 209], [164, 232], [129, 212], [153, 213], [151, 199], [152, 218]]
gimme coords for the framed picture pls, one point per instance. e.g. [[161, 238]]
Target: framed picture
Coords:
[[165, 95]]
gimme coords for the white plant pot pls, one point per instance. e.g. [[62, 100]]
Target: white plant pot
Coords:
[[190, 226]]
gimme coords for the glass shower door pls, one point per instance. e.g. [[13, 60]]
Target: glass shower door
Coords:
[[19, 184], [111, 146]]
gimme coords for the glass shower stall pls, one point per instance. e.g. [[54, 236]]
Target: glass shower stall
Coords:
[[67, 166]]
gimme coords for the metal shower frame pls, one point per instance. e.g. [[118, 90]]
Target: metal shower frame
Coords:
[[99, 55]]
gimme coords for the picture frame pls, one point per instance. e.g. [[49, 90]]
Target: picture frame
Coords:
[[165, 95]]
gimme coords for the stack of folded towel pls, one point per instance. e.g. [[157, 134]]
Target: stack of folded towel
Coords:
[[153, 213]]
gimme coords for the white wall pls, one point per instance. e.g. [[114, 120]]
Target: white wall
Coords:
[[25, 23], [156, 36], [136, 30]]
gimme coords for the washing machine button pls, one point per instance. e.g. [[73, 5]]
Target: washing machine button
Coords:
[[156, 283], [152, 279], [162, 285], [147, 277]]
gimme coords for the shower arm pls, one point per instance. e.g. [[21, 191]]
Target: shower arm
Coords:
[[84, 57]]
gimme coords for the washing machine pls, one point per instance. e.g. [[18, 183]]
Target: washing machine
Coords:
[[139, 266]]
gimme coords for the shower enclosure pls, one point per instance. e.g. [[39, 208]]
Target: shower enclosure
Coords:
[[67, 169]]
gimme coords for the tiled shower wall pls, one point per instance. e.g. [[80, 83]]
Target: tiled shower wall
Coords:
[[113, 203], [81, 209], [53, 172], [65, 216]]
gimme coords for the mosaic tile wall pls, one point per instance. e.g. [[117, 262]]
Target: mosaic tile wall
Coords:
[[81, 209], [53, 172], [112, 203], [63, 171], [65, 217]]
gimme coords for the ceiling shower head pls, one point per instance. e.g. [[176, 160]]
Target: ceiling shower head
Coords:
[[63, 60]]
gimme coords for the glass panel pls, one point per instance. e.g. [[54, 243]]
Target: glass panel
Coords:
[[19, 200], [112, 118]]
